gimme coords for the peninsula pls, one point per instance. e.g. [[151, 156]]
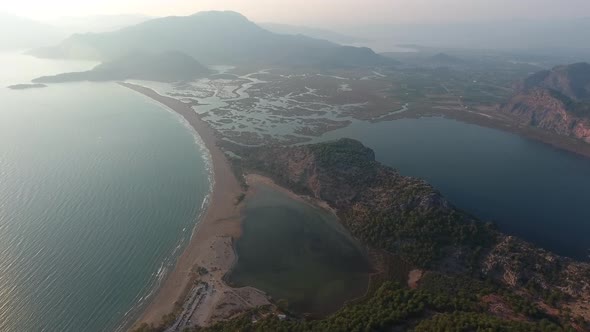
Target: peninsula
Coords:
[[160, 67]]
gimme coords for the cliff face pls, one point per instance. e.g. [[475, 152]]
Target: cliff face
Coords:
[[407, 217], [557, 100]]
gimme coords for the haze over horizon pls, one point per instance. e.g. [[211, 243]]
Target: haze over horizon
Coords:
[[328, 13]]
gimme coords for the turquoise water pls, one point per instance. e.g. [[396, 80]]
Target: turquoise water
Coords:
[[99, 190], [528, 188]]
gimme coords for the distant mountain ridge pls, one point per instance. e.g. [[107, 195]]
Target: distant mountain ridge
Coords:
[[317, 33], [17, 33], [557, 100], [163, 67], [512, 34], [572, 81], [212, 38], [97, 23]]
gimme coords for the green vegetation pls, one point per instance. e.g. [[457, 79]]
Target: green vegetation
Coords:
[[475, 85], [423, 238], [464, 321], [406, 218], [464, 290], [398, 214], [523, 306], [393, 306]]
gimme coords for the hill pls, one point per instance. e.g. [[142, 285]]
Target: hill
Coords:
[[163, 67], [556, 100], [17, 33], [213, 38], [97, 23]]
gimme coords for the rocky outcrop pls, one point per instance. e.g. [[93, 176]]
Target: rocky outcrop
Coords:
[[556, 100], [518, 264]]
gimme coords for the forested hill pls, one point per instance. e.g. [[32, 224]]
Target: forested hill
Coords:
[[379, 206], [163, 67], [213, 38], [474, 273]]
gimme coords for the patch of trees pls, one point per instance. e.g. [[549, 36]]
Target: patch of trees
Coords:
[[392, 306], [469, 321], [424, 238]]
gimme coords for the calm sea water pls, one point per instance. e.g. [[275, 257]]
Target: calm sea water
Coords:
[[99, 190], [528, 188]]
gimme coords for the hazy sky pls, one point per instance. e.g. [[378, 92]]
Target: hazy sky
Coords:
[[316, 12]]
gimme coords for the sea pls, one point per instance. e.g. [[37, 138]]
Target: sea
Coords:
[[100, 189]]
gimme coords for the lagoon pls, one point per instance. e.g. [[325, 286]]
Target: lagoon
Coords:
[[298, 253], [528, 188]]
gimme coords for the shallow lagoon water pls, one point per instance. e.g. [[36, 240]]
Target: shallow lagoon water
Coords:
[[298, 253]]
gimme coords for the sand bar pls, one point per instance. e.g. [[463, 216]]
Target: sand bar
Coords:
[[211, 245]]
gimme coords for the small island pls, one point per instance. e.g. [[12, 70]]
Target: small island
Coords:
[[26, 86]]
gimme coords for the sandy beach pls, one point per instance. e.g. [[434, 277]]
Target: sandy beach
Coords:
[[256, 179], [211, 245]]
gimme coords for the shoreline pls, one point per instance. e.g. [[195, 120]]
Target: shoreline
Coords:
[[256, 180], [210, 247], [500, 122]]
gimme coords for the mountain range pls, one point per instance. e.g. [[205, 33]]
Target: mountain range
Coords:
[[97, 23], [18, 33], [541, 35], [212, 38]]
